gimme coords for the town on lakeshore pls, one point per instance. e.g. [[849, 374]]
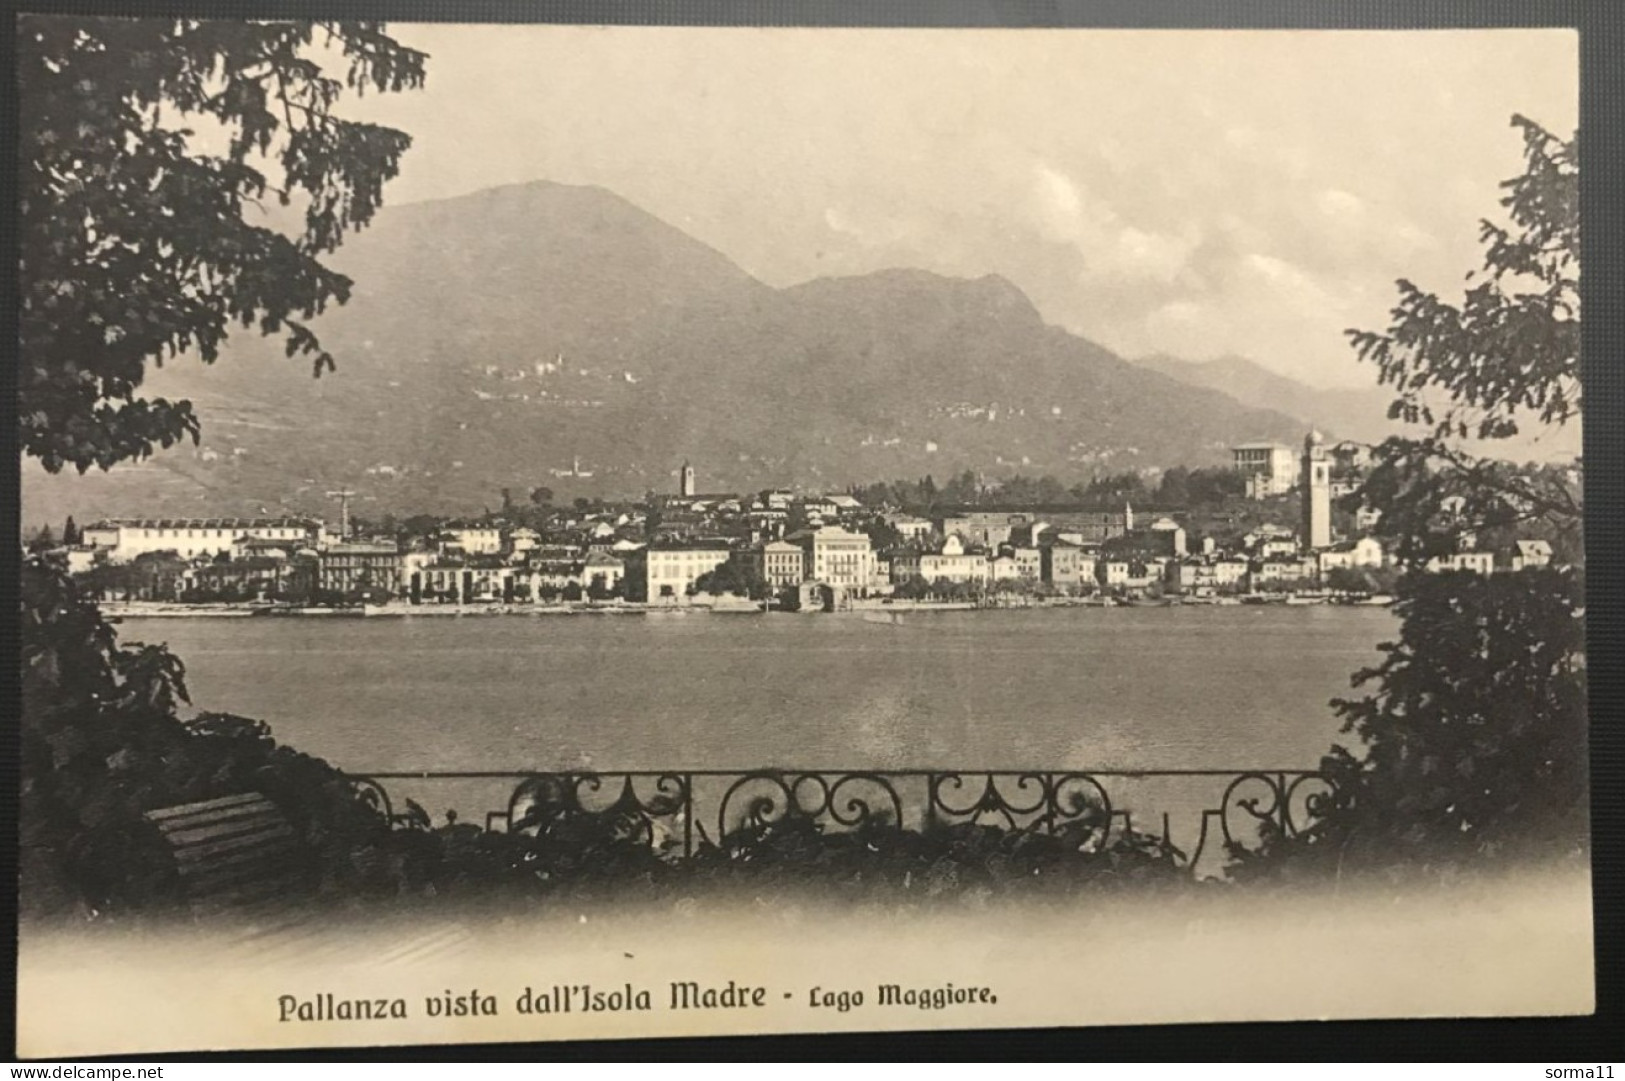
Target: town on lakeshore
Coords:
[[1275, 527]]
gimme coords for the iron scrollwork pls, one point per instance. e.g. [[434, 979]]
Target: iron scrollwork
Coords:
[[648, 808], [665, 809], [842, 800]]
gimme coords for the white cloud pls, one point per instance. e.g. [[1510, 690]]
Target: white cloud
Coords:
[[1180, 313], [1337, 203], [1151, 255], [1059, 205], [1110, 246]]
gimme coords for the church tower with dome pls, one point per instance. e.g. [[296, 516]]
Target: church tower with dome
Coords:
[[1316, 479]]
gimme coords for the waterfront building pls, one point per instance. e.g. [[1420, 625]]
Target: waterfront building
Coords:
[[1365, 552], [1191, 576], [126, 538], [1028, 561], [1317, 493], [779, 563], [437, 581], [836, 557], [487, 581], [257, 577], [1112, 573], [1066, 566], [601, 573], [1281, 571], [668, 571], [953, 561], [151, 576], [1205, 576], [904, 564], [1269, 468], [360, 565]]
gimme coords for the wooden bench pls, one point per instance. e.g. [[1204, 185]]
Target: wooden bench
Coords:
[[234, 854]]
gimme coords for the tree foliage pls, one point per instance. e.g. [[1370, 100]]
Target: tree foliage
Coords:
[[1472, 736], [1513, 344], [148, 147], [1508, 354], [1472, 742], [102, 742], [738, 577]]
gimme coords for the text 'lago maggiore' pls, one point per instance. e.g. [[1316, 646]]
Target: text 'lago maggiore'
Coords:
[[587, 998]]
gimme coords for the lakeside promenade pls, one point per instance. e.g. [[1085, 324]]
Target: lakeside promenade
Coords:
[[118, 610]]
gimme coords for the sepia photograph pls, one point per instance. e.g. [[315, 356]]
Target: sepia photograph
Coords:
[[542, 532]]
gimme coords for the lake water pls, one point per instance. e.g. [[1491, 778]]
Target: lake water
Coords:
[[1128, 688]]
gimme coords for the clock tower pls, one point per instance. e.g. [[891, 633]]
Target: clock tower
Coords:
[[1317, 493]]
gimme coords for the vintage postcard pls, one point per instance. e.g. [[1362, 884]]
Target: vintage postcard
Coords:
[[545, 532]]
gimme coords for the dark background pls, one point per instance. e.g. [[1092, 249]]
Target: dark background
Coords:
[[1602, 126]]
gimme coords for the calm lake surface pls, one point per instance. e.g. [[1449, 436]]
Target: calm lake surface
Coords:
[[1129, 688]]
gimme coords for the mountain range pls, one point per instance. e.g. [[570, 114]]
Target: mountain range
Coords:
[[1355, 412], [546, 334]]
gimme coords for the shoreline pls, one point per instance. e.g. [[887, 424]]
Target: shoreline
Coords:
[[118, 610]]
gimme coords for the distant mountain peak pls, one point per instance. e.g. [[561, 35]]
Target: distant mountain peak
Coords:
[[1349, 412], [990, 295], [539, 188], [546, 333]]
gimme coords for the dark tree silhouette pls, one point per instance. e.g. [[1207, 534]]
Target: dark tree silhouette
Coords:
[[142, 240], [1473, 733]]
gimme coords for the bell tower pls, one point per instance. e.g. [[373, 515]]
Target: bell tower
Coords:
[[1316, 479], [686, 485]]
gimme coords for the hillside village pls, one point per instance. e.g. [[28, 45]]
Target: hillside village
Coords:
[[1289, 536]]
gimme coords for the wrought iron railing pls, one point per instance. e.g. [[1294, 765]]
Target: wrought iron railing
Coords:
[[1201, 814]]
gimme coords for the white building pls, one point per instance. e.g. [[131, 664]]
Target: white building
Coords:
[[669, 571], [524, 539], [124, 539], [1365, 552], [473, 538], [1531, 553], [836, 557], [1476, 562], [1271, 468], [950, 563], [910, 528]]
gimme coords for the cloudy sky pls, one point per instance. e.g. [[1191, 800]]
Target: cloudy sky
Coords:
[[1196, 193]]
